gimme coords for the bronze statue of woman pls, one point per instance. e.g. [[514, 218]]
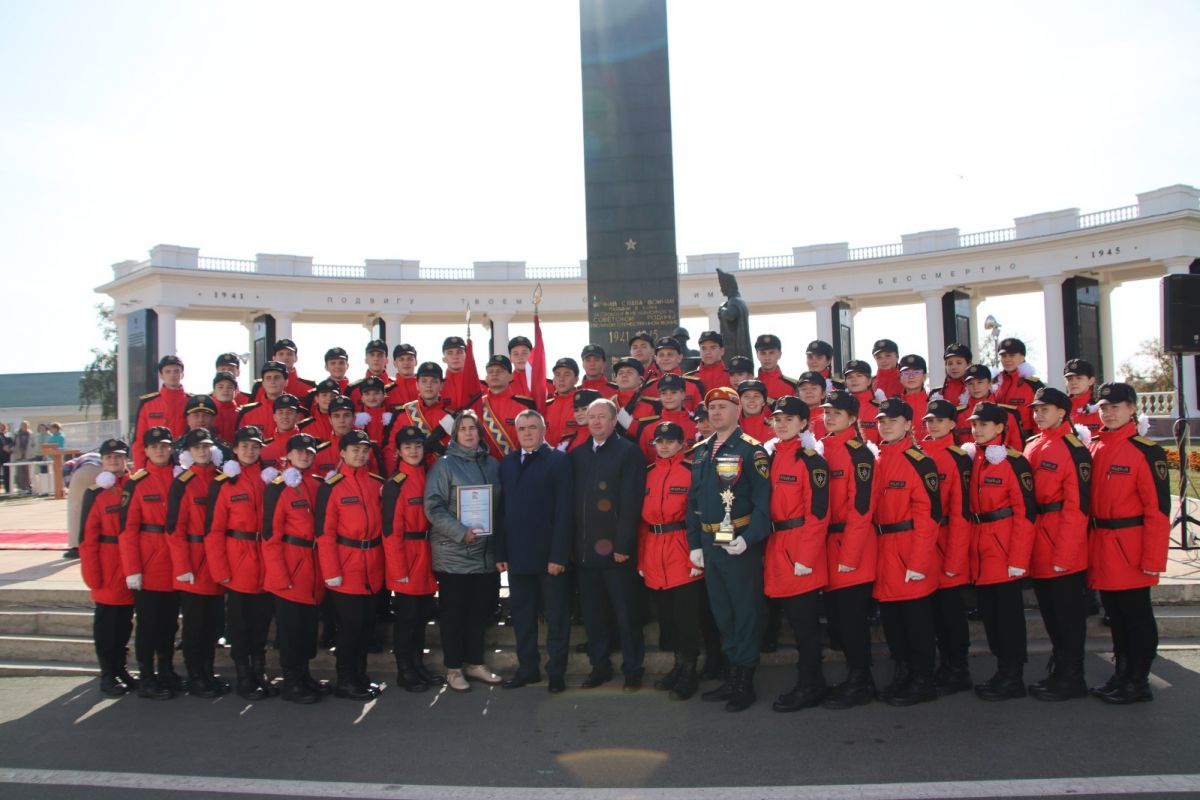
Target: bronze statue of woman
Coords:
[[734, 316]]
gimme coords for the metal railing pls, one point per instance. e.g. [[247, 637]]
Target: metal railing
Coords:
[[339, 271], [987, 237], [1108, 216], [553, 273], [447, 273], [683, 267], [87, 435], [766, 262], [227, 264], [1156, 404], [875, 251]]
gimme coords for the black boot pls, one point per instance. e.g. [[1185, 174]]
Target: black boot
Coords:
[[1066, 683], [806, 693], [348, 687], [222, 686], [901, 675], [168, 678], [430, 678], [122, 675], [295, 690], [198, 684], [688, 682], [953, 675], [110, 686], [1052, 667], [258, 670], [668, 681], [714, 666], [407, 677], [722, 692], [1007, 684], [743, 695], [1115, 680], [148, 684], [857, 690], [247, 687], [916, 689], [320, 687], [1134, 689]]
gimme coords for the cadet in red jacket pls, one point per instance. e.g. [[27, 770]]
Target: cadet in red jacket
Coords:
[[1002, 515], [1129, 539], [317, 424], [225, 396], [670, 395], [632, 409], [560, 413], [146, 559], [756, 417], [858, 383], [794, 567], [594, 360], [1080, 376], [376, 359], [163, 409], [286, 416], [954, 538], [849, 547], [956, 360], [768, 347], [712, 372], [664, 560], [498, 407], [373, 416], [349, 539], [100, 563], [261, 413], [978, 379], [908, 512], [1016, 385], [291, 572], [200, 597], [668, 355], [574, 437], [812, 388], [1062, 472], [912, 377], [404, 388], [887, 373], [408, 561], [234, 547], [429, 413]]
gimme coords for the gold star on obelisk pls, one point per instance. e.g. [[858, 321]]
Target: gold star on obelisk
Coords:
[[631, 244]]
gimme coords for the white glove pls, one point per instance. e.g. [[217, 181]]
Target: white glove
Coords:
[[362, 419], [695, 573], [641, 574], [697, 557], [951, 574], [402, 580], [799, 570], [134, 582], [186, 577], [1057, 568], [562, 447], [625, 419], [911, 575], [1151, 573], [447, 424], [736, 547], [844, 568], [1015, 572], [333, 583]]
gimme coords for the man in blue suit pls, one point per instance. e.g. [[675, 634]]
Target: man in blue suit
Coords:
[[533, 543]]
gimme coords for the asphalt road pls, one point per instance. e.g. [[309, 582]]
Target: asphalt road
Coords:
[[598, 738]]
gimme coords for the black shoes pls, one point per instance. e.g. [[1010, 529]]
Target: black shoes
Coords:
[[148, 686], [296, 690], [1131, 690], [430, 678], [110, 686], [687, 684], [558, 684], [519, 680], [723, 692], [742, 695], [916, 690], [857, 690], [1006, 684], [632, 683], [598, 677], [801, 696], [351, 690], [407, 678], [953, 676], [247, 687], [668, 681], [71, 552]]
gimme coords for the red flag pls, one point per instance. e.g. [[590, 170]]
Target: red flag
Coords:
[[537, 361]]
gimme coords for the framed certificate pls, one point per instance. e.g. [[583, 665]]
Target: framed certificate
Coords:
[[475, 507]]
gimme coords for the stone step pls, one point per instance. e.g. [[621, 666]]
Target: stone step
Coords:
[[45, 622]]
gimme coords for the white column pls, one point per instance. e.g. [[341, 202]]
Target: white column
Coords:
[[250, 371], [934, 346], [500, 333], [283, 324], [824, 309], [1107, 352], [123, 404], [1056, 352], [976, 337], [166, 329], [1181, 266], [393, 323]]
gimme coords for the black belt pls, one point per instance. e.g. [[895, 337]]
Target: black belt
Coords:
[[1046, 508], [836, 527], [416, 535], [299, 541], [248, 536], [359, 544], [152, 529], [895, 527], [107, 539], [944, 521], [195, 538], [668, 527], [991, 516], [787, 524], [1113, 523]]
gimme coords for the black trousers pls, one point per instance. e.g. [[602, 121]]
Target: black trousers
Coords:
[[1062, 602], [950, 624], [295, 632], [203, 617], [847, 612], [550, 594], [465, 608], [411, 614], [608, 594], [111, 628], [803, 612], [908, 627], [355, 615], [679, 612], [247, 621], [157, 622], [1002, 611], [1134, 629], [6, 475]]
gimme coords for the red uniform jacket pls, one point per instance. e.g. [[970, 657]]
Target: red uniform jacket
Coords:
[[291, 568], [1012, 430], [350, 530], [404, 390], [274, 449], [560, 417], [144, 547], [888, 381], [327, 459], [851, 539], [575, 439], [1083, 413], [693, 393], [300, 387], [919, 401], [778, 385], [954, 529], [261, 414], [1062, 474], [317, 425], [681, 418], [406, 551], [458, 394], [498, 418], [799, 521], [641, 410], [816, 422], [428, 420], [908, 513], [607, 389], [1018, 392], [187, 508], [99, 552], [520, 385], [868, 407], [663, 549], [225, 423], [953, 390], [162, 408], [1131, 503], [758, 426], [354, 390], [379, 421], [1003, 511], [711, 377], [234, 539]]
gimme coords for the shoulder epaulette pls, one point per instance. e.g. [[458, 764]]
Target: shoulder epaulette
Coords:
[[389, 387], [854, 443], [149, 396], [305, 421], [221, 478], [334, 478], [649, 418], [1146, 441], [379, 478], [399, 478], [185, 476], [791, 381], [1009, 406], [651, 466], [353, 385], [691, 376], [323, 445], [963, 407], [687, 462], [694, 373], [248, 407], [748, 438], [1034, 380], [278, 480], [307, 382], [807, 452], [311, 392], [268, 440], [914, 454], [613, 385], [137, 476], [1012, 452], [525, 401], [95, 487], [956, 449], [1073, 440]]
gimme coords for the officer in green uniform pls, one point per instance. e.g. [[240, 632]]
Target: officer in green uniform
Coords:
[[733, 571]]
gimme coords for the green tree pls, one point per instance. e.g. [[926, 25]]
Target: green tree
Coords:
[[98, 385], [1150, 369]]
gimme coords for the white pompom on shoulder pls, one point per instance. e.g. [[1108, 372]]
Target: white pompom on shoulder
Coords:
[[969, 448], [292, 476], [232, 469], [1084, 434], [997, 374], [936, 396], [819, 446], [769, 445], [995, 453], [1026, 370], [185, 459], [1143, 426], [362, 419], [874, 448], [218, 457], [177, 470], [828, 385], [808, 441], [387, 418], [269, 474], [106, 480], [879, 395], [964, 397]]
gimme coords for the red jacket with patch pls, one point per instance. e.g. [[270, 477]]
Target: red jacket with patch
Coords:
[[908, 512], [163, 408], [406, 552], [1062, 472], [99, 551], [799, 521], [851, 539], [291, 569], [234, 539], [350, 530], [144, 547], [187, 508], [1003, 509], [954, 528], [663, 553]]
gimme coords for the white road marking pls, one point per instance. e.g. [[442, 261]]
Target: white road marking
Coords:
[[946, 790], [366, 709], [96, 709]]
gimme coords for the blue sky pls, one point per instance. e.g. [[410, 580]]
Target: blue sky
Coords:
[[450, 132]]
